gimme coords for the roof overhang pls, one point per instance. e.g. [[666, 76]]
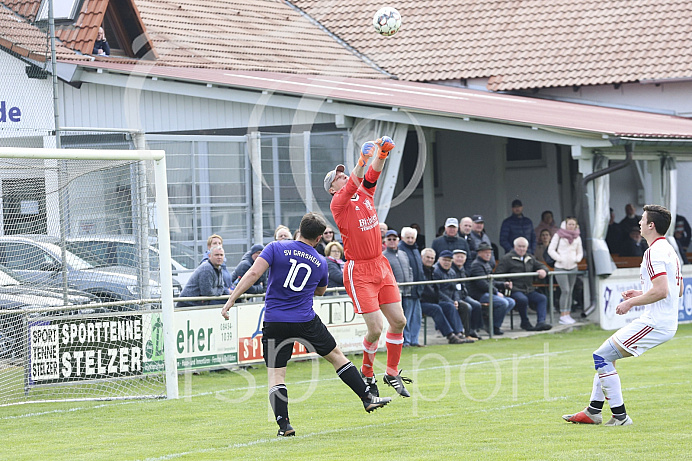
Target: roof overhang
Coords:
[[464, 109]]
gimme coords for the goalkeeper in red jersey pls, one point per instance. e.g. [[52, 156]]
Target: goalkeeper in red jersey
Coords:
[[368, 277]]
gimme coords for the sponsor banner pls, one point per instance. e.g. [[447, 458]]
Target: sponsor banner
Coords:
[[64, 350], [203, 338], [347, 327], [610, 296]]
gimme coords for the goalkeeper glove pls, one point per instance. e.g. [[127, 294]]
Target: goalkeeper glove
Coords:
[[366, 151], [386, 145]]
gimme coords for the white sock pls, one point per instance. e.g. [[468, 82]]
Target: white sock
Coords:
[[610, 385]]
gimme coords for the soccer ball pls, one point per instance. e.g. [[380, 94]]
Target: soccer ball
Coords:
[[387, 21]]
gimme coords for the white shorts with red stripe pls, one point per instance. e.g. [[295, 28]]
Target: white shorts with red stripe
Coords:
[[638, 337]]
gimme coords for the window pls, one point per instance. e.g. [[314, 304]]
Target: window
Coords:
[[64, 11], [521, 153]]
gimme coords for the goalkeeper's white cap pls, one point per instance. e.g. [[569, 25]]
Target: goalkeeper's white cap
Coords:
[[329, 178]]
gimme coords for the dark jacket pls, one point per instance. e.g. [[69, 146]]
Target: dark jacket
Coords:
[[243, 266], [416, 263], [445, 242], [205, 281], [102, 45], [477, 239], [460, 273], [478, 288], [517, 226], [336, 273], [431, 293], [513, 263], [401, 268], [448, 291]]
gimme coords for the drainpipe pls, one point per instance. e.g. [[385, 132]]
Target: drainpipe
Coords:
[[629, 148]]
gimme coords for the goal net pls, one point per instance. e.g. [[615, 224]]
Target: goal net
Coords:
[[84, 304]]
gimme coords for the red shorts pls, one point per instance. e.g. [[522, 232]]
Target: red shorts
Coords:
[[370, 283]]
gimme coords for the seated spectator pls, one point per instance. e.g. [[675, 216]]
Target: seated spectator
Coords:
[[450, 241], [523, 291], [614, 237], [430, 299], [634, 245], [212, 241], [246, 263], [207, 280], [474, 321], [449, 296], [547, 222], [480, 289], [543, 244], [282, 233], [101, 46], [420, 238], [328, 237], [478, 235], [335, 263], [408, 245]]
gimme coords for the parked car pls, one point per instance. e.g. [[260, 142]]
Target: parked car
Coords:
[[40, 263], [109, 250]]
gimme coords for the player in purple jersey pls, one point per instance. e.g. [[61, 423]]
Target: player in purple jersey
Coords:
[[297, 273]]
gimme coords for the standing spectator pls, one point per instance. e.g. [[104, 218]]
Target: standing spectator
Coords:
[[401, 267], [566, 249], [430, 301], [480, 289], [682, 235], [413, 319], [517, 225], [212, 241], [454, 309], [630, 220], [335, 262], [478, 235], [327, 238], [547, 222], [543, 244], [523, 292], [614, 237], [475, 320], [207, 280], [420, 239], [465, 228], [245, 263], [450, 240], [634, 245], [101, 46], [282, 233], [383, 231]]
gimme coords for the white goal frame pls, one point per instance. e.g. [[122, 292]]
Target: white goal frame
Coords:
[[158, 157]]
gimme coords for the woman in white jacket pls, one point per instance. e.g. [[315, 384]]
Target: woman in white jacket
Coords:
[[566, 249]]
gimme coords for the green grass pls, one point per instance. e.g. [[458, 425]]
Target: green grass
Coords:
[[499, 399]]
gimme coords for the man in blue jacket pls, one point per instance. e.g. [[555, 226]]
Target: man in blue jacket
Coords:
[[517, 225]]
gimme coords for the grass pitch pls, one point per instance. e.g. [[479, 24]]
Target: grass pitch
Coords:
[[496, 399]]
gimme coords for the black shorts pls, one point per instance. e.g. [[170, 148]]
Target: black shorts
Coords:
[[278, 338]]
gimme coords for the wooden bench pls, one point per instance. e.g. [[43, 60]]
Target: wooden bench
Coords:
[[626, 261]]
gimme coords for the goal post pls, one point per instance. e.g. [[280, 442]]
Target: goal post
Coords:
[[74, 324]]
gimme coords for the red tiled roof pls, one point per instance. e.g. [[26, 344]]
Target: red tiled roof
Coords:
[[593, 121], [521, 44], [25, 8], [83, 36]]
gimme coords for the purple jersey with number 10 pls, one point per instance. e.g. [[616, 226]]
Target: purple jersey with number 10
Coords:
[[295, 271]]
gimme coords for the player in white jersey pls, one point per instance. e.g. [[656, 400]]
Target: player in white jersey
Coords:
[[661, 291]]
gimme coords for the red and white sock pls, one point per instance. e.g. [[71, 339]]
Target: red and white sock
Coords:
[[395, 342], [369, 351]]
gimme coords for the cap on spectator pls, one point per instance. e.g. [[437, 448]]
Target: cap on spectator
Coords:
[[459, 250], [516, 202], [445, 254], [477, 218], [329, 178], [452, 222], [483, 246], [391, 232], [256, 248]]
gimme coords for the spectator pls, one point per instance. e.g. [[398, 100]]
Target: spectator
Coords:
[[383, 231], [523, 292], [282, 233], [474, 321], [517, 225], [246, 263], [212, 241], [449, 297], [543, 244], [296, 234], [566, 249], [630, 220], [450, 240], [327, 238], [414, 317], [614, 237], [478, 235], [430, 299], [335, 262], [420, 239], [401, 267], [207, 280], [634, 245], [547, 222], [101, 46], [480, 289], [682, 235]]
